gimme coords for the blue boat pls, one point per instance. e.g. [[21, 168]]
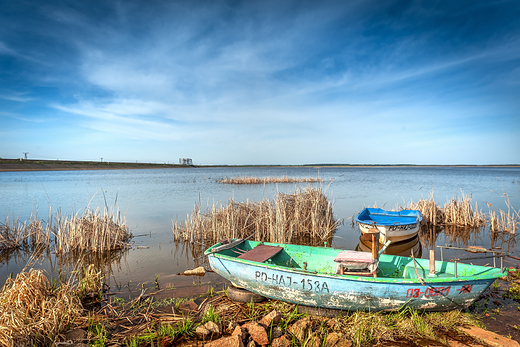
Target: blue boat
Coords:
[[395, 226], [330, 278]]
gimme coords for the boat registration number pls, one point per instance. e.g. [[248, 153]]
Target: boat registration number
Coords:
[[309, 285], [429, 292]]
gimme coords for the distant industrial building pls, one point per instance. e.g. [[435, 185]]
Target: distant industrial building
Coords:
[[185, 161]]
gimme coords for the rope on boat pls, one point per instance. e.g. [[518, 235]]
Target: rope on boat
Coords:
[[417, 272]]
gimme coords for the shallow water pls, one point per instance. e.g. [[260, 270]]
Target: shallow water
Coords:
[[151, 198]]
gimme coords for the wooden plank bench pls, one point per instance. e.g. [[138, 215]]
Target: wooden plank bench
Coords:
[[356, 263], [261, 253]]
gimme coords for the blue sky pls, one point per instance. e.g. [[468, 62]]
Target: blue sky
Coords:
[[261, 82]]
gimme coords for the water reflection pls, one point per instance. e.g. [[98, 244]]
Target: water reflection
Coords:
[[403, 248], [67, 263]]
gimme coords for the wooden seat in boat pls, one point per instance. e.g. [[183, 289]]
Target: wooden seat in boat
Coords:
[[261, 253], [354, 262], [354, 257]]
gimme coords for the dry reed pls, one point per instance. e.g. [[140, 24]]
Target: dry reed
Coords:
[[430, 211], [12, 233], [501, 221], [266, 180], [34, 309], [306, 214], [457, 212], [91, 231], [460, 212]]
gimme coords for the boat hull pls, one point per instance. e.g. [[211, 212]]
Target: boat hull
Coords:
[[396, 226], [349, 293], [394, 233], [404, 248]]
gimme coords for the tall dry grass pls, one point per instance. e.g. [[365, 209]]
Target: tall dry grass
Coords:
[[266, 180], [502, 221], [92, 230], [431, 212], [458, 211], [459, 219], [15, 234], [34, 310], [306, 214]]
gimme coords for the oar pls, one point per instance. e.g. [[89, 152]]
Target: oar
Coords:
[[226, 246]]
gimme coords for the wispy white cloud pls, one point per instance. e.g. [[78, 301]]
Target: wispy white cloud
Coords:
[[17, 98], [25, 118], [6, 50], [270, 75]]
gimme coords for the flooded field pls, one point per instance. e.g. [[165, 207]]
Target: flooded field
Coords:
[[152, 199]]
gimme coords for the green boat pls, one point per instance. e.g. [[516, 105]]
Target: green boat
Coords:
[[331, 278]]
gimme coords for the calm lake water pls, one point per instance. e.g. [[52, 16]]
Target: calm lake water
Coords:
[[151, 198]]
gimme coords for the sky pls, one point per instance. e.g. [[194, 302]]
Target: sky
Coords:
[[261, 82]]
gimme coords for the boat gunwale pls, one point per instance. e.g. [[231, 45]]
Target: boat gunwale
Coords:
[[393, 214], [395, 280]]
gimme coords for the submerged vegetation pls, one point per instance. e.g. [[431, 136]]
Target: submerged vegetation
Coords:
[[305, 215]]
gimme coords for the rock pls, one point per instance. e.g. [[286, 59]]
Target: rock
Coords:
[[75, 335], [273, 317], [344, 342], [258, 333], [200, 271], [337, 340], [251, 343], [281, 341], [276, 332], [300, 328], [489, 337], [231, 341], [242, 332], [188, 306], [202, 332], [237, 331], [213, 327], [332, 339]]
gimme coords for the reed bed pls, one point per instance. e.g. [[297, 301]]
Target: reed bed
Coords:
[[266, 180], [306, 214], [502, 221], [15, 234], [459, 219], [90, 231], [459, 212], [34, 309]]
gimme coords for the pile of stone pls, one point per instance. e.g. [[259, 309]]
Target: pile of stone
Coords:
[[267, 332]]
